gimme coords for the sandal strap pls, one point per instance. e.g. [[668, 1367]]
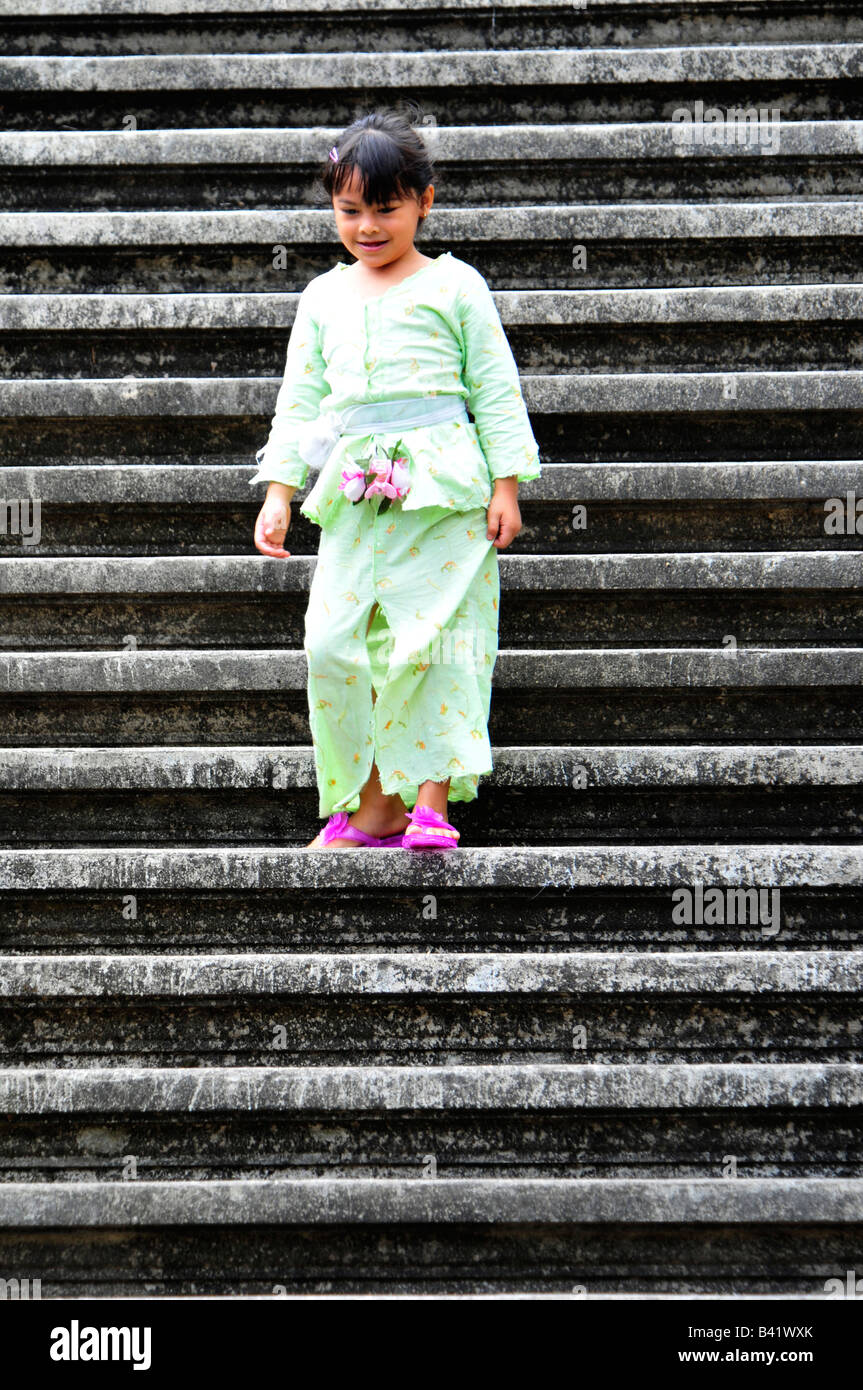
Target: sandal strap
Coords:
[[425, 821], [337, 828]]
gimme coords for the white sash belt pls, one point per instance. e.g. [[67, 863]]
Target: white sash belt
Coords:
[[318, 438]]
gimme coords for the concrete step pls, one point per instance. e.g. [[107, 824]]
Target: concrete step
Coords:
[[509, 1120], [266, 168], [629, 222], [774, 598], [156, 1091], [233, 26], [412, 973], [553, 796], [539, 768], [152, 507], [542, 310], [545, 816], [697, 345], [664, 66], [675, 243], [607, 897], [558, 85], [536, 574], [618, 695], [101, 483], [137, 669], [73, 336], [607, 393], [291, 148], [569, 411], [406, 1007], [305, 1236], [823, 1201], [628, 866]]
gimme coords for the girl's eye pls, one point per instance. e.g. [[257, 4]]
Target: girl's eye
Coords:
[[351, 212]]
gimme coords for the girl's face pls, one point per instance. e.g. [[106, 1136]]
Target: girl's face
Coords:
[[378, 235]]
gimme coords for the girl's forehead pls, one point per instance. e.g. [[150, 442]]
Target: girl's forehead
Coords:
[[353, 185], [353, 189]]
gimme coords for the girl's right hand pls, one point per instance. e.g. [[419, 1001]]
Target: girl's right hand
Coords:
[[273, 521]]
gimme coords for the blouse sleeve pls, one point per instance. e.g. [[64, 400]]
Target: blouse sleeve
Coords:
[[299, 400], [494, 392]]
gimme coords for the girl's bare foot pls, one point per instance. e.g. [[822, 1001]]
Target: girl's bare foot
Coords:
[[371, 826], [378, 814]]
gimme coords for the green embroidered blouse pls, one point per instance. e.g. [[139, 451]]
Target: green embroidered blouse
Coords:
[[438, 332]]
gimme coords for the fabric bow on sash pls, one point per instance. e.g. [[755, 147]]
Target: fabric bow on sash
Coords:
[[317, 438]]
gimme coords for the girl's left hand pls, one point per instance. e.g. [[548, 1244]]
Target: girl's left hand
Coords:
[[503, 516]]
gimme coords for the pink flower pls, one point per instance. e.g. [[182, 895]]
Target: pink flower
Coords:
[[381, 486], [400, 477], [353, 483]]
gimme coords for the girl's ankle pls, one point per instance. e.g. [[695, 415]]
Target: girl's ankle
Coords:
[[424, 806], [363, 817]]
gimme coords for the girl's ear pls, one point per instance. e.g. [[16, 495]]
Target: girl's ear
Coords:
[[426, 201]]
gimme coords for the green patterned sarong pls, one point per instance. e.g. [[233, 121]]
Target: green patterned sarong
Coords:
[[428, 654]]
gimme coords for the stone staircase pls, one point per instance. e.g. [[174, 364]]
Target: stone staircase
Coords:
[[229, 1066]]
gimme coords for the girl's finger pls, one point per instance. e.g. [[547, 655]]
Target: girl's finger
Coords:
[[266, 546], [277, 553]]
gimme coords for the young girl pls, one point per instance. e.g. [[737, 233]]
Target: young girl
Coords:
[[413, 499]]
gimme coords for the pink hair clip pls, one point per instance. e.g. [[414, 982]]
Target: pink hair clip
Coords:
[[334, 155]]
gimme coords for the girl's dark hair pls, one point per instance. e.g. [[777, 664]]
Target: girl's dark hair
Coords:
[[387, 153]]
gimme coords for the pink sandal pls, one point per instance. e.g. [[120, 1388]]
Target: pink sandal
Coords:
[[337, 828], [429, 830]]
